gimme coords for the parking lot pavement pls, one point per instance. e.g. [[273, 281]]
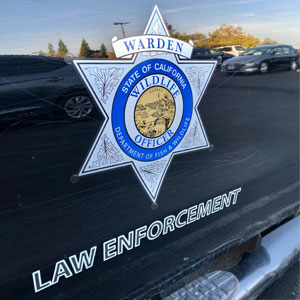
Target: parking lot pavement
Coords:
[[285, 288]]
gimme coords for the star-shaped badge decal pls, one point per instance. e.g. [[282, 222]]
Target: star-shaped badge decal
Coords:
[[149, 101]]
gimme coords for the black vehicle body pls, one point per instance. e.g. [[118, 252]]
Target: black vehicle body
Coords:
[[208, 53], [23, 80], [274, 57], [47, 216]]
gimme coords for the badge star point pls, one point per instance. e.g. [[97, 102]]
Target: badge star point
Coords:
[[103, 78]]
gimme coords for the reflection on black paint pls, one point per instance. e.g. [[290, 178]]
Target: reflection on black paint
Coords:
[[36, 89]]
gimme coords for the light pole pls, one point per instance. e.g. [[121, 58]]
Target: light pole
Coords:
[[122, 23]]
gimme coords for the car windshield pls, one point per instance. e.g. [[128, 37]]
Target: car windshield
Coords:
[[213, 51], [256, 51], [240, 48]]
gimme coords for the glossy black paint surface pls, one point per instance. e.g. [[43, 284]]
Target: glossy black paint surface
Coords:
[[253, 123], [36, 87]]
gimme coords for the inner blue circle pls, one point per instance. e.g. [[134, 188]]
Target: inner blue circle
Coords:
[[118, 123]]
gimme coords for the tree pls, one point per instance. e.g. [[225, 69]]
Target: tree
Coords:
[[222, 36], [199, 39], [111, 55], [170, 28], [268, 41], [51, 50], [103, 51], [181, 36], [62, 48], [231, 35], [84, 49], [250, 41]]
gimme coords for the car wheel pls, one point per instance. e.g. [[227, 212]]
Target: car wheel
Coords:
[[264, 67], [77, 107], [219, 60], [293, 65]]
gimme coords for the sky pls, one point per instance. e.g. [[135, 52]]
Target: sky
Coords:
[[27, 26]]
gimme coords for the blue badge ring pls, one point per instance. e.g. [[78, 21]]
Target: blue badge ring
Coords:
[[118, 121], [128, 125]]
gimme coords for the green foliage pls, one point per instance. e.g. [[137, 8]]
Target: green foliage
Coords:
[[51, 50], [103, 51], [62, 48], [84, 49]]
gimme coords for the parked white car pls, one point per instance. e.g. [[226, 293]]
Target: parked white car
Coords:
[[235, 50]]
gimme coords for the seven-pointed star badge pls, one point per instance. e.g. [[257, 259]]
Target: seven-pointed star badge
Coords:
[[149, 101]]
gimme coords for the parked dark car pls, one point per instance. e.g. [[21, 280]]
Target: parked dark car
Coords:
[[263, 59], [207, 53], [23, 82]]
